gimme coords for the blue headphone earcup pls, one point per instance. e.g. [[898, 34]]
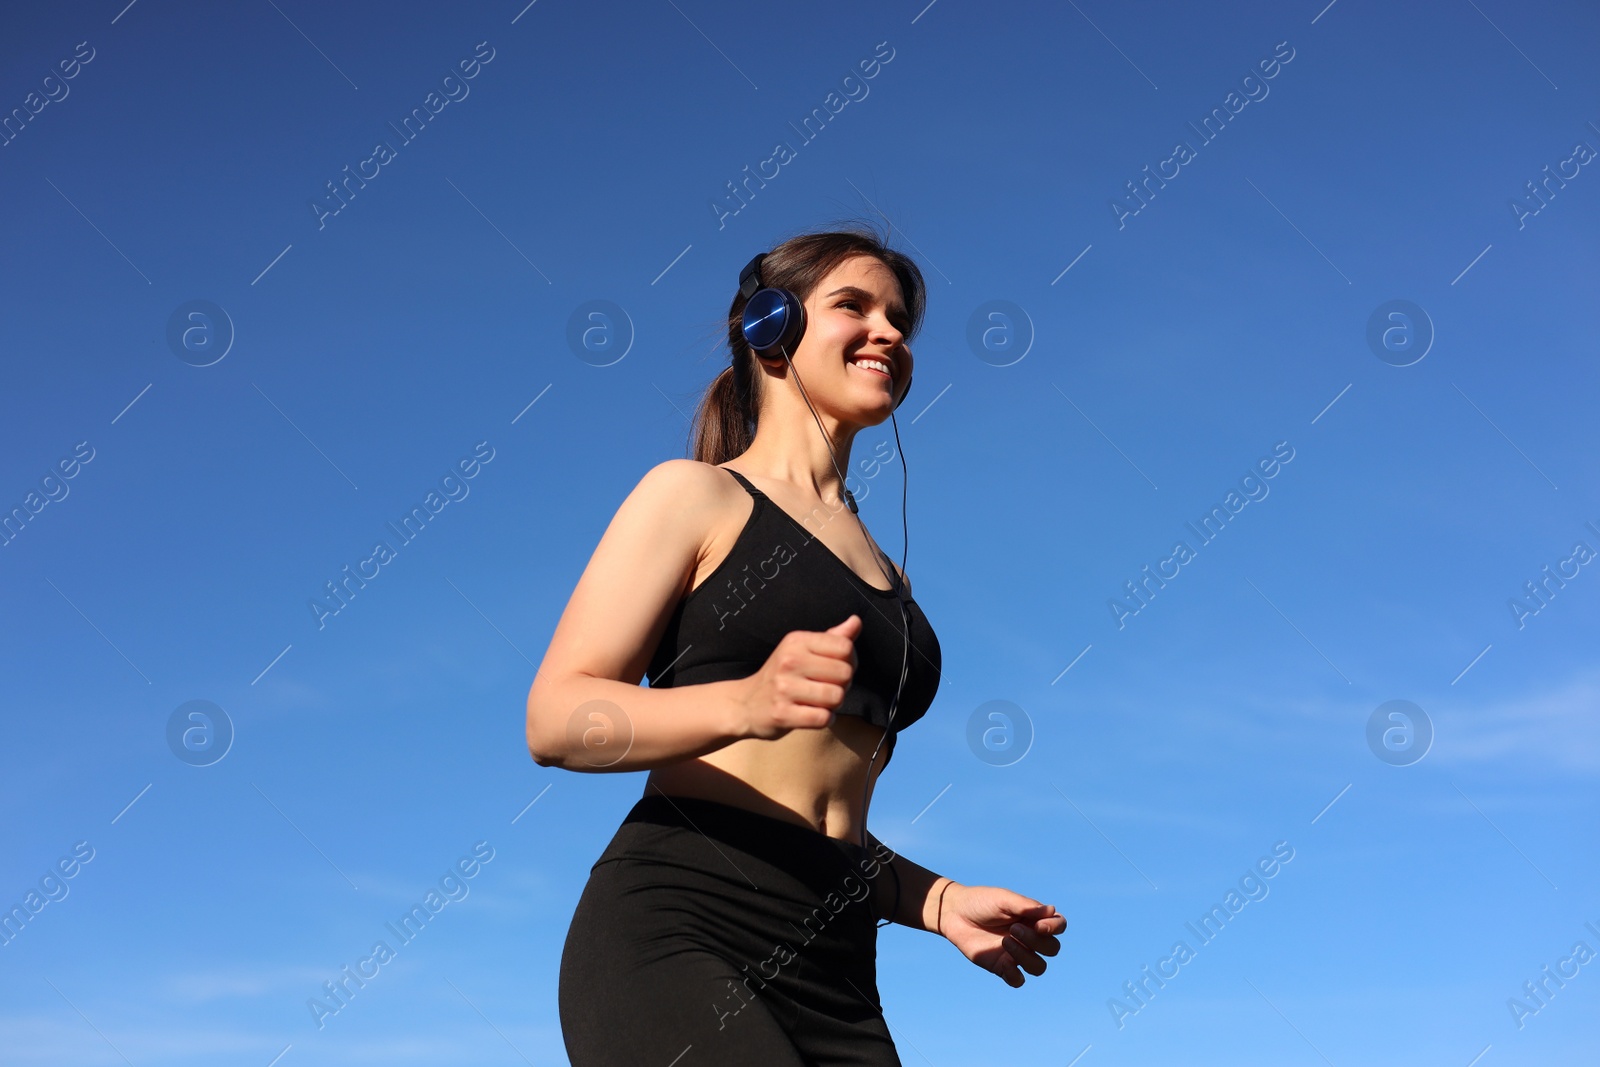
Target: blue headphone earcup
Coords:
[[773, 320]]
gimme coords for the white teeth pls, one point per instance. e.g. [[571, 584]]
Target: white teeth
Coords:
[[875, 364]]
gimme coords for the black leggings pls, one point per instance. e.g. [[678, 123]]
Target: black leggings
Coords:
[[708, 934]]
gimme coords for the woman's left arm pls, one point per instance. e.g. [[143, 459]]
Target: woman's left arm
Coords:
[[999, 930]]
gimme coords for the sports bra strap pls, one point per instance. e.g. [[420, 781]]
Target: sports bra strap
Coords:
[[753, 491]]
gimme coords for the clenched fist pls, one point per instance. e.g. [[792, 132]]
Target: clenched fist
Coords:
[[803, 681]]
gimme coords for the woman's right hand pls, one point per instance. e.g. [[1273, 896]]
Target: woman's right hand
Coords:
[[803, 681]]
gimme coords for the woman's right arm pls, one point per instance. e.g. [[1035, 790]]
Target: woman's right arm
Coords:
[[586, 709]]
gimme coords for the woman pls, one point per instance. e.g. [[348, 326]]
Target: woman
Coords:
[[731, 918]]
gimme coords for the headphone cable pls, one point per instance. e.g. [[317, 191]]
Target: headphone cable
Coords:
[[895, 584]]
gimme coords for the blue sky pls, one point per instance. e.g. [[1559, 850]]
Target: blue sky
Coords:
[[354, 360]]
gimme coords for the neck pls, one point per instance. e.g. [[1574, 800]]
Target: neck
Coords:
[[789, 447]]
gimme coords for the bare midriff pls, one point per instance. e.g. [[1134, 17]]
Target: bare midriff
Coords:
[[811, 777]]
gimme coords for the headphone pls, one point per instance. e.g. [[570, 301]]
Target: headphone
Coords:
[[774, 320]]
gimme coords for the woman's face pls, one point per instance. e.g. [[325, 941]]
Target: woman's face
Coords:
[[855, 315]]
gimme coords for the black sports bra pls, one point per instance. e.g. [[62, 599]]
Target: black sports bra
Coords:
[[778, 577]]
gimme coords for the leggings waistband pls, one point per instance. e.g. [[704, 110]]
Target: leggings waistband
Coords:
[[672, 829]]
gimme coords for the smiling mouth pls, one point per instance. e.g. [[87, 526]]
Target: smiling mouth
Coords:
[[872, 370]]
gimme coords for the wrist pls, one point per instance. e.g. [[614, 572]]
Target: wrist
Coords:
[[735, 716]]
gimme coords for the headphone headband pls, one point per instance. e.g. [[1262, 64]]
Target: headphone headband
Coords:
[[750, 277]]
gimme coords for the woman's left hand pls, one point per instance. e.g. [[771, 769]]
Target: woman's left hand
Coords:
[[1000, 931]]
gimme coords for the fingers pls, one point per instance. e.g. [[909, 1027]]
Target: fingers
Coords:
[[813, 670], [1007, 970], [829, 643], [1044, 929], [1023, 945], [1023, 956], [845, 651], [1041, 917], [840, 646], [833, 658], [1035, 940], [829, 670], [818, 681]]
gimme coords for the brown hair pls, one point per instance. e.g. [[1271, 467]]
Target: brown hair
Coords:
[[724, 423]]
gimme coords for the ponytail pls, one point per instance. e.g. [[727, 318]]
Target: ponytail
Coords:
[[724, 425]]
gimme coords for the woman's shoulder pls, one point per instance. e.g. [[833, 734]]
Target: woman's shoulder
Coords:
[[691, 476], [703, 492]]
